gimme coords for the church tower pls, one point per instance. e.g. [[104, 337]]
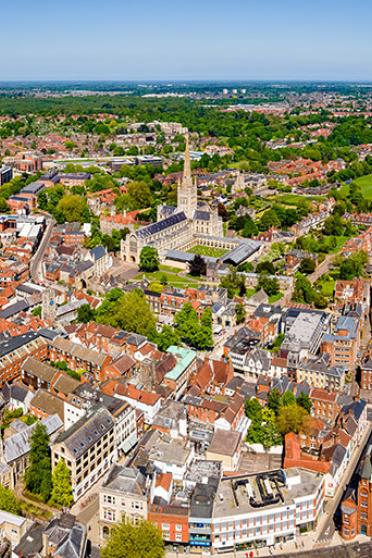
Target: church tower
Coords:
[[187, 191]]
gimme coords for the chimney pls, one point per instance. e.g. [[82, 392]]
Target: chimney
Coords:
[[45, 550]]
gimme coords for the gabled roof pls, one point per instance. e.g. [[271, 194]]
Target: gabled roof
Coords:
[[39, 369], [18, 445]]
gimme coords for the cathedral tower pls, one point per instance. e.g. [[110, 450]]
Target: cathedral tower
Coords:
[[187, 190]]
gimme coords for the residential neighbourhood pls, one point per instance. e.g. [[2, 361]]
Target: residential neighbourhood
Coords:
[[185, 325]]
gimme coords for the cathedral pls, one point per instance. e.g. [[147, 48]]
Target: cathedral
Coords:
[[189, 224]]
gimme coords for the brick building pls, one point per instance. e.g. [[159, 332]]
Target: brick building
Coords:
[[357, 508]]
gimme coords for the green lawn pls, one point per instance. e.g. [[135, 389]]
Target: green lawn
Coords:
[[250, 292], [340, 242], [169, 268], [172, 279], [295, 199], [327, 285], [365, 184], [208, 251], [275, 297]]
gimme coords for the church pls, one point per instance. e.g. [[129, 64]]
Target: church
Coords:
[[180, 228]]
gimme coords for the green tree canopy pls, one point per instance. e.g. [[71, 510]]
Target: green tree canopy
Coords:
[[292, 418], [166, 337], [143, 540], [275, 401], [8, 501], [62, 489], [149, 259], [305, 401], [73, 208], [129, 311], [138, 195], [253, 409], [307, 266], [38, 475], [85, 314], [198, 266]]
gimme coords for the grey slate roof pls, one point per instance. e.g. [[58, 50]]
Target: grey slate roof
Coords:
[[241, 252], [162, 225], [18, 445], [201, 215], [14, 309], [39, 369], [98, 252], [13, 343], [86, 432]]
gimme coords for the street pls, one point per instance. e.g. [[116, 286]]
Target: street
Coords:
[[326, 525], [37, 257]]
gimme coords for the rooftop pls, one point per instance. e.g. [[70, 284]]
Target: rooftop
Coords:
[[184, 358], [247, 493]]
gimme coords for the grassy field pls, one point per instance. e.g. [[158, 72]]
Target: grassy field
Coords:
[[172, 279], [365, 184], [327, 285], [340, 242], [208, 251], [275, 297], [295, 199]]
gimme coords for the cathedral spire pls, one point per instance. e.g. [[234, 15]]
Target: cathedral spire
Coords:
[[187, 160], [187, 200]]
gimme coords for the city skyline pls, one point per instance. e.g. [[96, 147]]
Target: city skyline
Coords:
[[177, 41]]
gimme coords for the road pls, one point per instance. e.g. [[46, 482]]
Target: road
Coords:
[[352, 550], [326, 525], [322, 268], [37, 257]]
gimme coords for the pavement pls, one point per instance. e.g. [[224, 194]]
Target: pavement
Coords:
[[322, 268], [37, 257], [326, 524]]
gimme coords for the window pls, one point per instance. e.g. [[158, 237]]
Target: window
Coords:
[[109, 515], [178, 527], [108, 499]]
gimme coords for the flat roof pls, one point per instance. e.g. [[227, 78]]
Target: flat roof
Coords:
[[235, 493]]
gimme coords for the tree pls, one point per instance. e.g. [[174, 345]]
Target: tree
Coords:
[[304, 401], [205, 334], [38, 475], [303, 291], [250, 228], [288, 399], [138, 195], [353, 266], [85, 314], [134, 313], [307, 266], [253, 409], [62, 489], [192, 332], [269, 219], [265, 267], [240, 313], [149, 259], [269, 284], [292, 418], [36, 311], [73, 208], [166, 337], [4, 207], [275, 401], [8, 501], [198, 266], [143, 540]]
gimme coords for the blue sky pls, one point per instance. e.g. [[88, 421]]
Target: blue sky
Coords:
[[190, 39]]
